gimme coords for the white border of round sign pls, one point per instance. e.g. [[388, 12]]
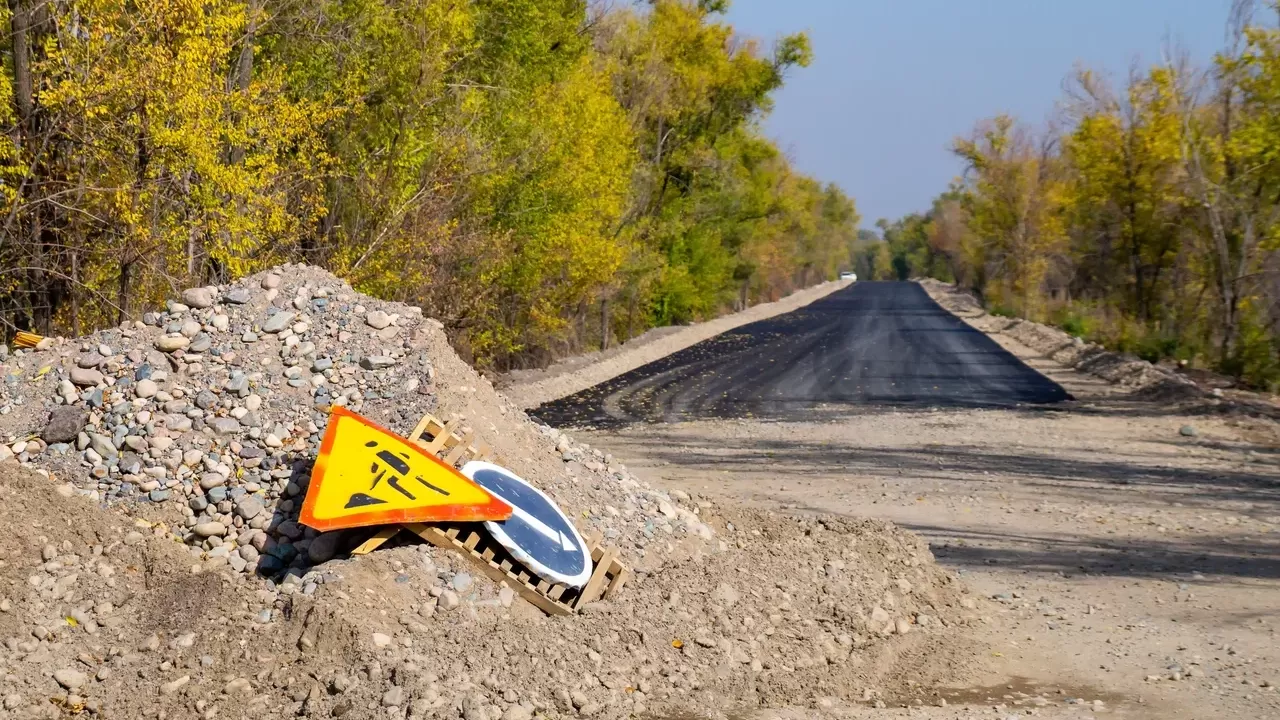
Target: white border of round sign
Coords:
[[495, 528]]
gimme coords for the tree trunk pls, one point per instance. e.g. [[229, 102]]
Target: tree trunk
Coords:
[[604, 323], [23, 86], [122, 293], [244, 64]]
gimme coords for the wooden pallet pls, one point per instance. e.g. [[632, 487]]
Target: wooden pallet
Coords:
[[443, 439], [495, 561]]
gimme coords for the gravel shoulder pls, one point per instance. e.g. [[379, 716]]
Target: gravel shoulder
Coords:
[[531, 388]]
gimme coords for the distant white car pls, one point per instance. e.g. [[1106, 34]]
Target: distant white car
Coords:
[[849, 276]]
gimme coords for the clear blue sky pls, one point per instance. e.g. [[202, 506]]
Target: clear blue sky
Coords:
[[894, 81]]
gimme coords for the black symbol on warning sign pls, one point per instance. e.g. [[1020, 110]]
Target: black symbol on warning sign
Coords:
[[391, 467]]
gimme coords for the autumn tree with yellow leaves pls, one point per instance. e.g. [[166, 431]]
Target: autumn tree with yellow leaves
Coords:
[[541, 175], [1147, 217]]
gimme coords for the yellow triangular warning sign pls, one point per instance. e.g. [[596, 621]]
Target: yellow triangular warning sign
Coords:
[[366, 475]]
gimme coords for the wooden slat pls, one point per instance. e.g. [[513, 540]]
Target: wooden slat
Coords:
[[420, 429], [458, 449], [595, 585], [26, 339], [438, 538], [619, 579], [471, 541], [373, 543], [487, 554], [438, 442], [556, 592]]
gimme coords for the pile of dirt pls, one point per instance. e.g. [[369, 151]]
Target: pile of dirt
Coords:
[[207, 417], [1148, 381], [154, 567]]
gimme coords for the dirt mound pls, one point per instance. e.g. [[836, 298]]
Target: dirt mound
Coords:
[[156, 568], [1148, 381]]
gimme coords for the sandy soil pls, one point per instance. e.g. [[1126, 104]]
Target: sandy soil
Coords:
[[1132, 552], [530, 389]]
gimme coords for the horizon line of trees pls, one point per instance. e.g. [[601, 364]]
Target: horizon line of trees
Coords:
[[543, 176], [1146, 216]]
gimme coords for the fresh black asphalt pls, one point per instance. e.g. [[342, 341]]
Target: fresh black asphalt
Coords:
[[872, 344]]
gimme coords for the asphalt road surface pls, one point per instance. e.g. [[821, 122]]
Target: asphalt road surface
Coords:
[[872, 344]]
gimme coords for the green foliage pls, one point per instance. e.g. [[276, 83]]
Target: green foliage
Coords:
[[1148, 222]]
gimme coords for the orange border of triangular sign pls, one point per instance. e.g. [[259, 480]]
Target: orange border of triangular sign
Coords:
[[495, 509]]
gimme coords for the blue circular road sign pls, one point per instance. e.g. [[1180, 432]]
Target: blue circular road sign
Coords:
[[538, 534]]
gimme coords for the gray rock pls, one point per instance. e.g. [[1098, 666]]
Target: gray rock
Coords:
[[475, 708], [321, 364], [85, 376], [238, 384], [146, 388], [448, 600], [377, 320], [189, 329], [271, 282], [518, 712], [1185, 431], [290, 529], [102, 445], [69, 678], [377, 362], [209, 481], [89, 360], [199, 298], [225, 425], [210, 529], [201, 343], [170, 343], [393, 697], [461, 582], [159, 495], [323, 547], [237, 296], [278, 322], [206, 400], [249, 507], [65, 424]]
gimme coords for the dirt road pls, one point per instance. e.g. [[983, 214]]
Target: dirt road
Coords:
[[1133, 555]]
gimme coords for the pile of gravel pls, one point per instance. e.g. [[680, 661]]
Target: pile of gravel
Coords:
[[207, 417]]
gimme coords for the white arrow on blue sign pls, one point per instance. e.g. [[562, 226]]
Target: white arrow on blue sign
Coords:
[[538, 534]]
